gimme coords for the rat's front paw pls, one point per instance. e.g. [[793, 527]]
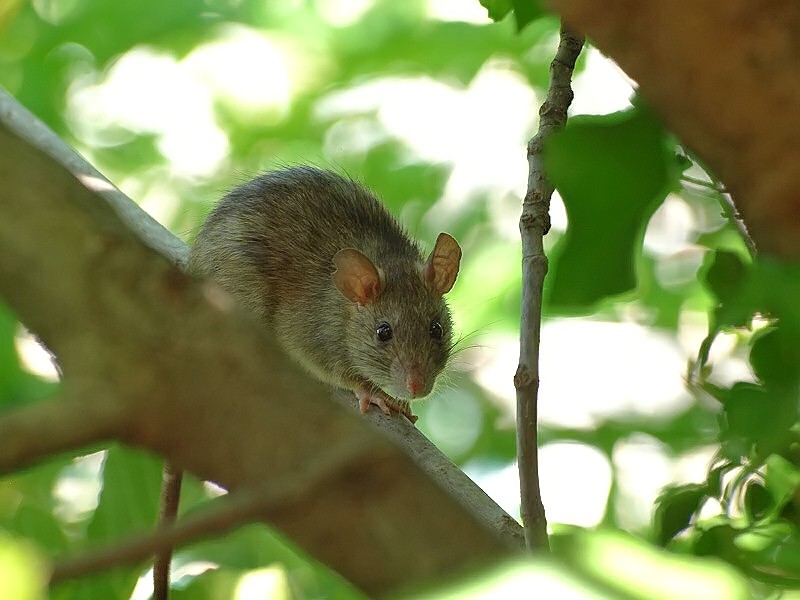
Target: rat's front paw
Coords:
[[386, 403]]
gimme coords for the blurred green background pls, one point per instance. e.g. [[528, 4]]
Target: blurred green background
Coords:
[[431, 104]]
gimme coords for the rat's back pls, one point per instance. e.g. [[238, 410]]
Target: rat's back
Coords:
[[271, 241]]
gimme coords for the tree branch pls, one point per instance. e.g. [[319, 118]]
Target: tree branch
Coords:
[[534, 224], [223, 514], [38, 430], [196, 382]]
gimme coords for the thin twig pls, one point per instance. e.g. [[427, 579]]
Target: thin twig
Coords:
[[731, 213], [729, 210], [533, 224], [170, 499]]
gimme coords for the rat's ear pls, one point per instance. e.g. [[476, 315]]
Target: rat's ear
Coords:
[[441, 268], [356, 276]]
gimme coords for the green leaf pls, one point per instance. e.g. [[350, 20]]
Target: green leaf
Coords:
[[771, 553], [767, 286], [775, 356], [220, 583], [128, 504], [725, 275], [612, 171], [129, 499], [22, 574], [675, 509], [497, 9], [526, 11], [774, 289], [759, 416], [718, 541], [757, 501], [39, 524], [782, 479]]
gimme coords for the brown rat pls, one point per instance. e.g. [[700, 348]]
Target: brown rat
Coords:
[[322, 263]]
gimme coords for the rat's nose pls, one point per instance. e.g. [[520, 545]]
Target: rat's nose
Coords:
[[414, 384]]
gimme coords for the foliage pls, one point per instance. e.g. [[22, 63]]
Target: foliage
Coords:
[[177, 101]]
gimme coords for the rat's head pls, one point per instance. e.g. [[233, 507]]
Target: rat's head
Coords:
[[400, 333]]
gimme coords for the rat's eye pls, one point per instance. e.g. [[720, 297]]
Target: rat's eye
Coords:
[[384, 332], [436, 330]]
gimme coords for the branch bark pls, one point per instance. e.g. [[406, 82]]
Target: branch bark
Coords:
[[534, 224], [176, 369], [725, 77]]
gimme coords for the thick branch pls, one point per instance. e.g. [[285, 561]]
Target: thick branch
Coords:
[[201, 386], [725, 77], [224, 514], [534, 224], [33, 432]]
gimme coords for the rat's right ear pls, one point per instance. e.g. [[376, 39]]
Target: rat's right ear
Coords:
[[356, 277], [441, 268]]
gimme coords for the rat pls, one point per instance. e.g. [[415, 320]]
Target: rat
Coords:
[[328, 270]]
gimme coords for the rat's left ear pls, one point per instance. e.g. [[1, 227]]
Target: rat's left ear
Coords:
[[441, 268]]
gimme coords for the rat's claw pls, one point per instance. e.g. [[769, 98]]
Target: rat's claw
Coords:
[[364, 400], [387, 404]]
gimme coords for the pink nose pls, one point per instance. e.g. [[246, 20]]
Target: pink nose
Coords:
[[413, 385]]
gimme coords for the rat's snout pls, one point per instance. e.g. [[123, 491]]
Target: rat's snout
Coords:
[[417, 383], [414, 385]]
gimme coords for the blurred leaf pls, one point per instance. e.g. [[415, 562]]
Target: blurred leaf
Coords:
[[667, 304], [725, 275], [10, 373], [757, 501], [129, 499], [22, 573], [771, 553], [128, 504], [774, 288], [17, 386], [255, 546], [39, 524], [213, 584], [782, 479], [526, 11], [675, 509], [775, 356], [683, 161], [613, 172], [714, 483], [759, 417], [768, 287], [633, 569], [497, 9], [718, 541]]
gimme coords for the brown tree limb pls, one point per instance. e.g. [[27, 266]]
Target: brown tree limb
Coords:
[[35, 431], [181, 373], [222, 515], [534, 224], [725, 77]]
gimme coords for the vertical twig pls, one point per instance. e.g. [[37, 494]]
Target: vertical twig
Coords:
[[533, 224], [170, 498]]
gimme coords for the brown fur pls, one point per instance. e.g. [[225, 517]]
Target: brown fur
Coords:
[[271, 243]]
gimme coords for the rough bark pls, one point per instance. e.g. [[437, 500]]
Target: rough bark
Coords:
[[534, 223]]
